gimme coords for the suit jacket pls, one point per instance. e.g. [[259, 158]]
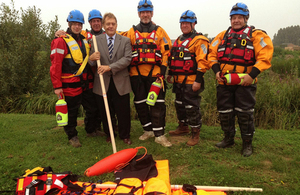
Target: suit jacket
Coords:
[[121, 59]]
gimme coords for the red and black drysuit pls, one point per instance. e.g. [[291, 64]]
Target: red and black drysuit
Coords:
[[78, 89]]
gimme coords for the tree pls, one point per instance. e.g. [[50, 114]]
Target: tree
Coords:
[[24, 52], [287, 35]]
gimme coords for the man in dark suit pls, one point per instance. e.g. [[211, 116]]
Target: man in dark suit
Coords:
[[115, 56]]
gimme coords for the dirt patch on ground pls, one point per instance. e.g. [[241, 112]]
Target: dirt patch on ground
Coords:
[[178, 139], [267, 164], [80, 122], [180, 170], [57, 127]]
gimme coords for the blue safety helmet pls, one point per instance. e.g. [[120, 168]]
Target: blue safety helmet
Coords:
[[188, 16], [75, 16], [145, 5], [94, 14], [239, 9]]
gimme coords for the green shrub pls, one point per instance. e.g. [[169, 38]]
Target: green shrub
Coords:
[[24, 53], [278, 101], [286, 62]]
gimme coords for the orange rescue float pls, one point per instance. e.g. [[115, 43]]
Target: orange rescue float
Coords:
[[113, 162]]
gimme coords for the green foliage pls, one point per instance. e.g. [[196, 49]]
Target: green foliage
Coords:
[[170, 104], [278, 92], [286, 62], [28, 141], [286, 35], [34, 104], [278, 104], [209, 100], [24, 53]]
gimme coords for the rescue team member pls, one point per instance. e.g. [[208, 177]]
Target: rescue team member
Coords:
[[67, 57], [151, 47], [240, 49], [115, 58], [95, 21], [187, 65]]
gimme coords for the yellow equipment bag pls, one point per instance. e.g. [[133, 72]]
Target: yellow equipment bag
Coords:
[[155, 186], [131, 186]]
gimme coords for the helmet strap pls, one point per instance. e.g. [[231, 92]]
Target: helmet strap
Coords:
[[246, 20]]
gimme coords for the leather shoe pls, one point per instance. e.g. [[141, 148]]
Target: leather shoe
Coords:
[[127, 141], [108, 140]]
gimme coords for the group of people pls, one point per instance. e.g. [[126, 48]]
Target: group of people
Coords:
[[134, 59]]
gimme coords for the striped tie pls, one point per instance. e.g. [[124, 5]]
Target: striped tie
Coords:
[[110, 47]]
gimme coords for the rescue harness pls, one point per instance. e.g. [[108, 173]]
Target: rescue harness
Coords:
[[145, 50], [181, 60], [237, 48]]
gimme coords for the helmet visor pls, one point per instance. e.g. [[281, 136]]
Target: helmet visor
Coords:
[[187, 17], [145, 5], [236, 8]]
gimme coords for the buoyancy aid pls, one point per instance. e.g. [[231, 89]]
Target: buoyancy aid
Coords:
[[181, 60], [42, 181], [88, 36], [76, 55], [145, 50], [76, 74], [237, 48], [129, 186], [156, 186]]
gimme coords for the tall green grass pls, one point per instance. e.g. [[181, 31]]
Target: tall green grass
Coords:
[[278, 102], [285, 61]]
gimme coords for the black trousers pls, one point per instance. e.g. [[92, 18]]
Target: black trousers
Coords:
[[236, 97], [237, 101], [121, 107], [99, 120], [87, 100], [151, 117], [187, 104]]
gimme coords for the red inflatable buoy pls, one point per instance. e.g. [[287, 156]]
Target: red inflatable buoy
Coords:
[[113, 162]]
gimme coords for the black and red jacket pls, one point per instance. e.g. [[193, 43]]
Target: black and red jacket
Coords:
[[63, 64]]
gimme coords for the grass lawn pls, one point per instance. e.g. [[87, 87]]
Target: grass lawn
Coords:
[[29, 141]]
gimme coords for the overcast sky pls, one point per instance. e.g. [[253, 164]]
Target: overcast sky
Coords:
[[213, 15]]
